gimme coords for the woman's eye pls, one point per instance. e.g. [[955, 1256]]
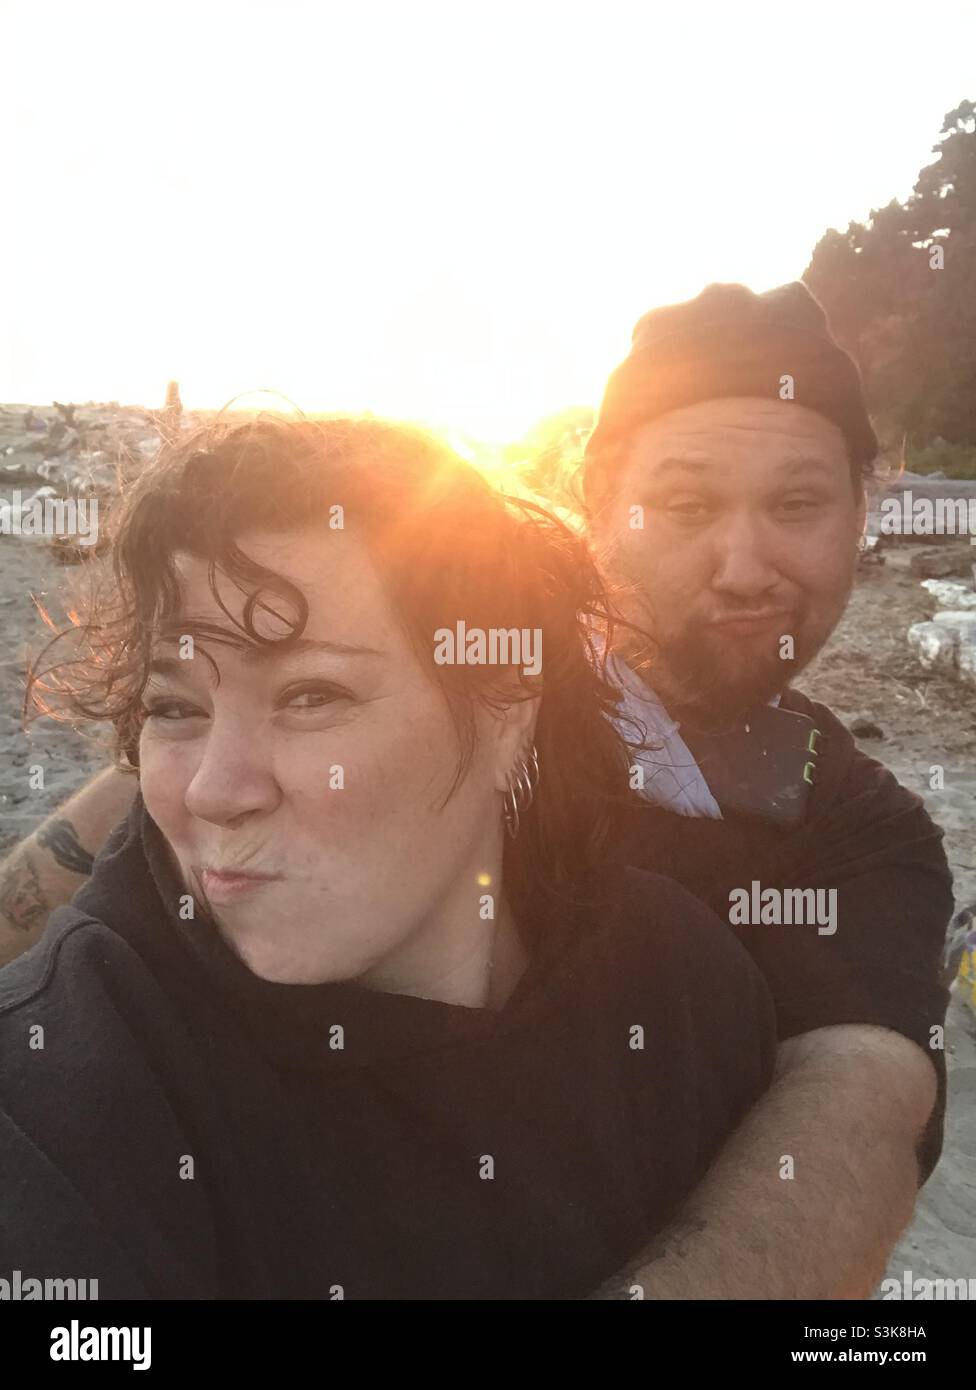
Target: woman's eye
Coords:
[[321, 694], [162, 709], [317, 697]]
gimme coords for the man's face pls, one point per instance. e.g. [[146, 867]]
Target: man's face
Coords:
[[733, 526]]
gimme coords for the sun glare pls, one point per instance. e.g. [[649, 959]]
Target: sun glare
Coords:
[[458, 225]]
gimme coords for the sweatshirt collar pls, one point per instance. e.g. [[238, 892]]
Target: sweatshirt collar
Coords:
[[337, 1025]]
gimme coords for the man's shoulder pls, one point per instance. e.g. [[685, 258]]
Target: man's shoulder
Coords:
[[847, 776], [824, 717], [837, 747]]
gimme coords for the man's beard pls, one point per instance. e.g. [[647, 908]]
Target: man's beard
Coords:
[[710, 683]]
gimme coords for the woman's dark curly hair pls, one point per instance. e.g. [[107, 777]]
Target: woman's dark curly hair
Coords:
[[448, 546]]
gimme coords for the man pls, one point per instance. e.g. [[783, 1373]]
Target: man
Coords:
[[724, 492], [810, 1195]]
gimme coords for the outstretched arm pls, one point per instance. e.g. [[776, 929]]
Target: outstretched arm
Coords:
[[848, 1106], [49, 866]]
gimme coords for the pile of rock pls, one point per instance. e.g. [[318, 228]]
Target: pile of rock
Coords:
[[75, 449], [953, 560], [948, 641], [80, 451]]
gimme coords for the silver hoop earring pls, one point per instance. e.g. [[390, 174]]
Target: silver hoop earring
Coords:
[[511, 812], [532, 771], [521, 790]]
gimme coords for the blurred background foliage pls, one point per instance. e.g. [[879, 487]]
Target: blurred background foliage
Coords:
[[911, 325]]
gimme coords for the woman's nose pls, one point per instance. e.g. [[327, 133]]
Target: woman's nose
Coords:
[[234, 776]]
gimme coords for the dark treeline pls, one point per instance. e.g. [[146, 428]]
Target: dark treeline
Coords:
[[910, 324], [900, 291]]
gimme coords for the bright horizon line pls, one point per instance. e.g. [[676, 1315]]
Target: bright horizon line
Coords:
[[451, 214], [429, 420]]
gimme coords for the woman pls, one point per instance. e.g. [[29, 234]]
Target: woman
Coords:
[[434, 1044]]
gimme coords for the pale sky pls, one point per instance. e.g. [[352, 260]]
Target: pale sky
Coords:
[[452, 212]]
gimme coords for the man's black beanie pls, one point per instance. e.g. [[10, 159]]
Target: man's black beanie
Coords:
[[729, 341]]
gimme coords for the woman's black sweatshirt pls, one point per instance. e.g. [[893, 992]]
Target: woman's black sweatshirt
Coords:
[[174, 1126]]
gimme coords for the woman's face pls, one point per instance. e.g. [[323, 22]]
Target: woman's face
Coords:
[[325, 767]]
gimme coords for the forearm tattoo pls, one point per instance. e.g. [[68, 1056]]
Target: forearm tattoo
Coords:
[[21, 901], [61, 838]]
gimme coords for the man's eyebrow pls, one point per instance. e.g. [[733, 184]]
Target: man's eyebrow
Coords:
[[268, 655], [674, 463], [793, 465]]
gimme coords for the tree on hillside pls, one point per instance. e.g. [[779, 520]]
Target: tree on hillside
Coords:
[[900, 291]]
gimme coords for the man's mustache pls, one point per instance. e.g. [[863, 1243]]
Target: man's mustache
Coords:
[[751, 614]]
